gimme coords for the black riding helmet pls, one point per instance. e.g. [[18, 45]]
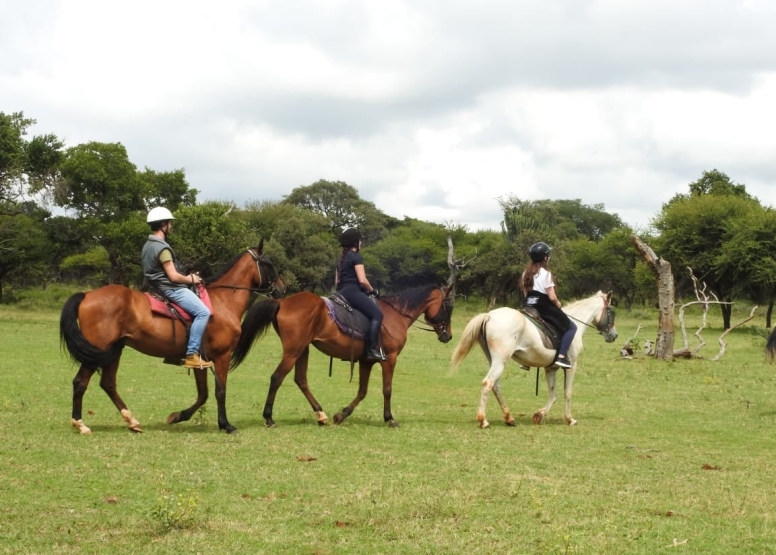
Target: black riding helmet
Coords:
[[350, 238], [538, 251]]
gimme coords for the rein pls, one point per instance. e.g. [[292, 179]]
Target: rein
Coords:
[[599, 328], [257, 290]]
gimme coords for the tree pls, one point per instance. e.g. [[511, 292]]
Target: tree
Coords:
[[696, 228], [300, 243], [111, 198], [22, 243], [342, 207], [27, 168]]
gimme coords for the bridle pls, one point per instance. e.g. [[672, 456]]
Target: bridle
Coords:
[[258, 259], [605, 322], [439, 322]]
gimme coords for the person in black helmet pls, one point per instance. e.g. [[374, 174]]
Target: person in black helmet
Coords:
[[355, 287], [538, 287]]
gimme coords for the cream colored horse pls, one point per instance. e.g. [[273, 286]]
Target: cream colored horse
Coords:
[[506, 333]]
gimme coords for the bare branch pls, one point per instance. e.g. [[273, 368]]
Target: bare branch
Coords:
[[722, 344]]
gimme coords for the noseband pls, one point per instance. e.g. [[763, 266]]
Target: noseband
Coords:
[[258, 259], [441, 319]]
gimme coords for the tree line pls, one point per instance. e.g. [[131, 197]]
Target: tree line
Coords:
[[716, 229]]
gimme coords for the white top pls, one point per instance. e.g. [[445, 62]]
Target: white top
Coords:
[[543, 281]]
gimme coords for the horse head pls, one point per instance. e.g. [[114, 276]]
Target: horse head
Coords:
[[604, 323], [269, 280], [443, 313]]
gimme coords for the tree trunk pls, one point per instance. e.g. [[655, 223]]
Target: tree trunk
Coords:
[[768, 314], [664, 345]]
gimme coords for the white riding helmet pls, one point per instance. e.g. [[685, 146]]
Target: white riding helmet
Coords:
[[159, 214]]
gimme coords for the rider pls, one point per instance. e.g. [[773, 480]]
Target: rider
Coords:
[[538, 287], [355, 287], [161, 270]]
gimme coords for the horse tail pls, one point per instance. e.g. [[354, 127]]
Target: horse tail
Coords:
[[473, 333], [72, 339], [770, 346], [255, 324]]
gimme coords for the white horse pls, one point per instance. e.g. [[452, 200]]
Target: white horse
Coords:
[[506, 333]]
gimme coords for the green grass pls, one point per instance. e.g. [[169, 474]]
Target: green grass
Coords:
[[667, 457]]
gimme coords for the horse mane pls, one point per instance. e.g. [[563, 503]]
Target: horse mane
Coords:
[[410, 299], [226, 268], [574, 304]]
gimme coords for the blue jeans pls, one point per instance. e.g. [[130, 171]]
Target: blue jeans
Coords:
[[191, 303], [568, 337]]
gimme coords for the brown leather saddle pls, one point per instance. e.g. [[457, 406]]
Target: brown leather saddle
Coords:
[[549, 334]]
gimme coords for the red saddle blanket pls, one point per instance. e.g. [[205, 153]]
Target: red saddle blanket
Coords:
[[160, 307]]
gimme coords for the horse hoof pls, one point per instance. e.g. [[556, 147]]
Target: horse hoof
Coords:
[[537, 418], [571, 422], [174, 418], [136, 429], [339, 418], [510, 423], [269, 424], [229, 429], [484, 424], [393, 424]]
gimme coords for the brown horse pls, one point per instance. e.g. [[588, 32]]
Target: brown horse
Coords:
[[303, 319], [95, 326]]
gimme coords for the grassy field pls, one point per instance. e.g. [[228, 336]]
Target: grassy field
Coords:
[[667, 457]]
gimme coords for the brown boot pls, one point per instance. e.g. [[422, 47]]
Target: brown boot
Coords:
[[195, 361]]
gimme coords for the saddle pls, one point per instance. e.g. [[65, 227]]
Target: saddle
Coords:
[[549, 334], [350, 321], [165, 307]]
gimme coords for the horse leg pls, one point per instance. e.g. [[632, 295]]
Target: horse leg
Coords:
[[539, 415], [387, 392], [221, 372], [364, 371], [80, 383], [300, 378], [490, 381], [509, 420], [568, 382], [108, 385], [200, 378], [280, 373]]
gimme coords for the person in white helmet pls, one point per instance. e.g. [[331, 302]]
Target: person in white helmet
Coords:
[[161, 270]]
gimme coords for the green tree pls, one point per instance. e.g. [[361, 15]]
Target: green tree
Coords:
[[27, 168], [110, 198], [342, 207], [696, 228], [300, 243], [22, 244]]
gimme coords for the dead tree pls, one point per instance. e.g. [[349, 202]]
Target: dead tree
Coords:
[[664, 346], [704, 299]]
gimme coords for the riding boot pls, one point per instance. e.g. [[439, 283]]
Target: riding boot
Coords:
[[374, 352]]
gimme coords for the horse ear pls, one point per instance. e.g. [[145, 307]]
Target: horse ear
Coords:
[[609, 297], [260, 248]]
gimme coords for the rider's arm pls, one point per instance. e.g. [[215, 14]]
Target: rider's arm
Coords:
[[361, 275]]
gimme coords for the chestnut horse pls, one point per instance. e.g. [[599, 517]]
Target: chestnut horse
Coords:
[[506, 333], [303, 319], [95, 326]]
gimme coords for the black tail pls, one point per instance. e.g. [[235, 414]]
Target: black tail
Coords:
[[770, 346], [71, 338], [259, 317]]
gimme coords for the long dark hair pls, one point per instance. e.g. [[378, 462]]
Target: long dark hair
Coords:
[[527, 279]]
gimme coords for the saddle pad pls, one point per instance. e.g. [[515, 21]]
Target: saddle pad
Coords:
[[349, 320], [550, 336], [159, 306]]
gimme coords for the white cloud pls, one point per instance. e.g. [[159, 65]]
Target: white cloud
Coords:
[[433, 110]]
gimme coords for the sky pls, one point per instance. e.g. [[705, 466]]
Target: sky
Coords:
[[431, 109]]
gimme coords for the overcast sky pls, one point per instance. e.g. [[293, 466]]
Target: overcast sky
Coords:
[[432, 109]]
